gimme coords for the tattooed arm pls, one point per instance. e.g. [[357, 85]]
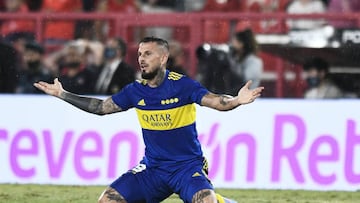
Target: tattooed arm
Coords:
[[226, 102], [88, 104]]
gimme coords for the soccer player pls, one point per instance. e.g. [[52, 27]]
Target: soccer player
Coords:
[[165, 106]]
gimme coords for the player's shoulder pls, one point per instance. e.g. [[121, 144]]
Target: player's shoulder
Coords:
[[178, 78], [133, 86], [175, 76], [181, 80], [171, 76]]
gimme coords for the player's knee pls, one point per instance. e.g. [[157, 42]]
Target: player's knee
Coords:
[[102, 197], [206, 196], [110, 195]]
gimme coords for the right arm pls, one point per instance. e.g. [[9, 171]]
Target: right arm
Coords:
[[226, 102], [88, 104]]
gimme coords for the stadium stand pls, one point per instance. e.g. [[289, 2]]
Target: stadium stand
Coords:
[[282, 50]]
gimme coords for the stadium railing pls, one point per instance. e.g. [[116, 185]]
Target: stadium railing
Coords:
[[193, 23]]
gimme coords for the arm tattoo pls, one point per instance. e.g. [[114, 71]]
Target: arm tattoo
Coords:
[[199, 196], [224, 99], [112, 195], [91, 105]]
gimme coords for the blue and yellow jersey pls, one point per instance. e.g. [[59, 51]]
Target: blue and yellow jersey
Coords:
[[167, 116]]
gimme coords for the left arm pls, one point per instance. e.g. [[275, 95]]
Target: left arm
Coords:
[[226, 102]]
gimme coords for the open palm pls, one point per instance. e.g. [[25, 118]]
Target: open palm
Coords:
[[245, 95], [52, 89]]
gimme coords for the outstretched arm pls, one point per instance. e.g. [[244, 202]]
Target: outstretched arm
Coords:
[[88, 104], [226, 102]]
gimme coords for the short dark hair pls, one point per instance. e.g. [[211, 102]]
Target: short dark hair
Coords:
[[157, 40], [316, 63], [121, 45]]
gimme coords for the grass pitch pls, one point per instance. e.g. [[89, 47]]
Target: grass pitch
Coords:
[[14, 193]]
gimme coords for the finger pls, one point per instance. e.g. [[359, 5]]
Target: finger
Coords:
[[257, 95], [258, 90], [36, 85], [56, 81], [43, 83], [248, 83], [255, 91], [40, 86]]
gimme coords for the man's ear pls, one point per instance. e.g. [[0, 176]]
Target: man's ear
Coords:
[[164, 59]]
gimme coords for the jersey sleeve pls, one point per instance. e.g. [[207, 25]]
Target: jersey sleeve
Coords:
[[197, 91], [122, 98]]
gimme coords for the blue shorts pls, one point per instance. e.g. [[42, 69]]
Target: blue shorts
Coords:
[[153, 185]]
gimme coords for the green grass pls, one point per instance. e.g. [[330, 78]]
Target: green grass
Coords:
[[14, 193]]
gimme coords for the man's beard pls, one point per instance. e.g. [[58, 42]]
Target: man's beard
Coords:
[[150, 75]]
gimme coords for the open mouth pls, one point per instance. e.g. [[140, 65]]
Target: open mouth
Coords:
[[143, 67]]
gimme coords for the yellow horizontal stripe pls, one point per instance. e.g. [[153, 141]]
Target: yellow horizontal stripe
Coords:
[[167, 119]]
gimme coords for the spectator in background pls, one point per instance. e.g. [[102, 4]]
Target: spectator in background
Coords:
[[74, 74], [105, 29], [8, 68], [319, 84], [344, 6], [306, 7], [18, 42], [214, 69], [57, 32], [12, 27], [34, 69], [115, 73], [94, 53], [244, 63], [176, 58], [91, 51]]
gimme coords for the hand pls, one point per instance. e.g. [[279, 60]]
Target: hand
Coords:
[[52, 89], [246, 95]]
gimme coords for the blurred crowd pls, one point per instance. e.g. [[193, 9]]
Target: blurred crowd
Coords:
[[90, 59]]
